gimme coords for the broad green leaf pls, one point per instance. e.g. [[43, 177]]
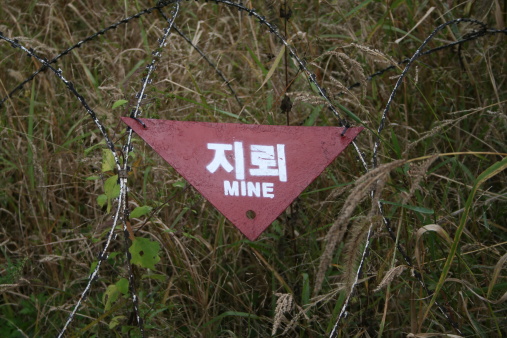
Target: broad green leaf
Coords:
[[101, 200], [113, 292], [111, 187], [144, 252], [93, 178], [112, 190], [116, 321], [113, 254], [119, 103], [123, 285], [108, 162], [140, 211], [179, 184]]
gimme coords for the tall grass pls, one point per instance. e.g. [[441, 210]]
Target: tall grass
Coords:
[[431, 263]]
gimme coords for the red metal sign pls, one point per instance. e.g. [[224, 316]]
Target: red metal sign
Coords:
[[250, 173]]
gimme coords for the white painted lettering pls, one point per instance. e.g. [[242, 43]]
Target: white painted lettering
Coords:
[[282, 165], [267, 190], [231, 190], [254, 188], [239, 160], [250, 189], [267, 163], [220, 160], [243, 188]]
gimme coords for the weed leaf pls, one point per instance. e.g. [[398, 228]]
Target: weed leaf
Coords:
[[140, 211], [101, 200], [108, 162], [145, 253], [493, 170], [115, 321], [111, 190], [119, 103], [113, 292]]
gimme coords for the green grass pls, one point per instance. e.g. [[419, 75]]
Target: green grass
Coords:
[[448, 212]]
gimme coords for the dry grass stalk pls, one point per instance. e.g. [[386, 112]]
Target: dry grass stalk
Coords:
[[351, 72], [417, 174], [353, 252], [377, 54], [496, 273], [284, 304], [307, 98], [207, 267], [363, 187], [438, 129], [353, 69], [419, 247], [390, 276], [471, 288], [295, 320], [354, 249]]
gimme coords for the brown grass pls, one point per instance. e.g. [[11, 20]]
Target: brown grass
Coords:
[[210, 280]]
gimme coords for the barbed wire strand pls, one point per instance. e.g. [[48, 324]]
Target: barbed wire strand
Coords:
[[127, 148], [416, 55], [470, 37], [312, 78], [103, 254], [20, 86], [302, 65], [386, 221], [208, 60]]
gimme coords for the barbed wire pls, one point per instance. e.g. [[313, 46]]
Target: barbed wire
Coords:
[[104, 252], [416, 55], [474, 35], [123, 177], [469, 37], [122, 211], [208, 60], [20, 86]]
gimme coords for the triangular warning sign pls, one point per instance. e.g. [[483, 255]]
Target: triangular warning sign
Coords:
[[250, 173]]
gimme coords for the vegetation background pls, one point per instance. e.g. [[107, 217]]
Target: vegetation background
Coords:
[[56, 209]]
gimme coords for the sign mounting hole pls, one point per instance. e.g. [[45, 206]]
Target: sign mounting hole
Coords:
[[250, 214]]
